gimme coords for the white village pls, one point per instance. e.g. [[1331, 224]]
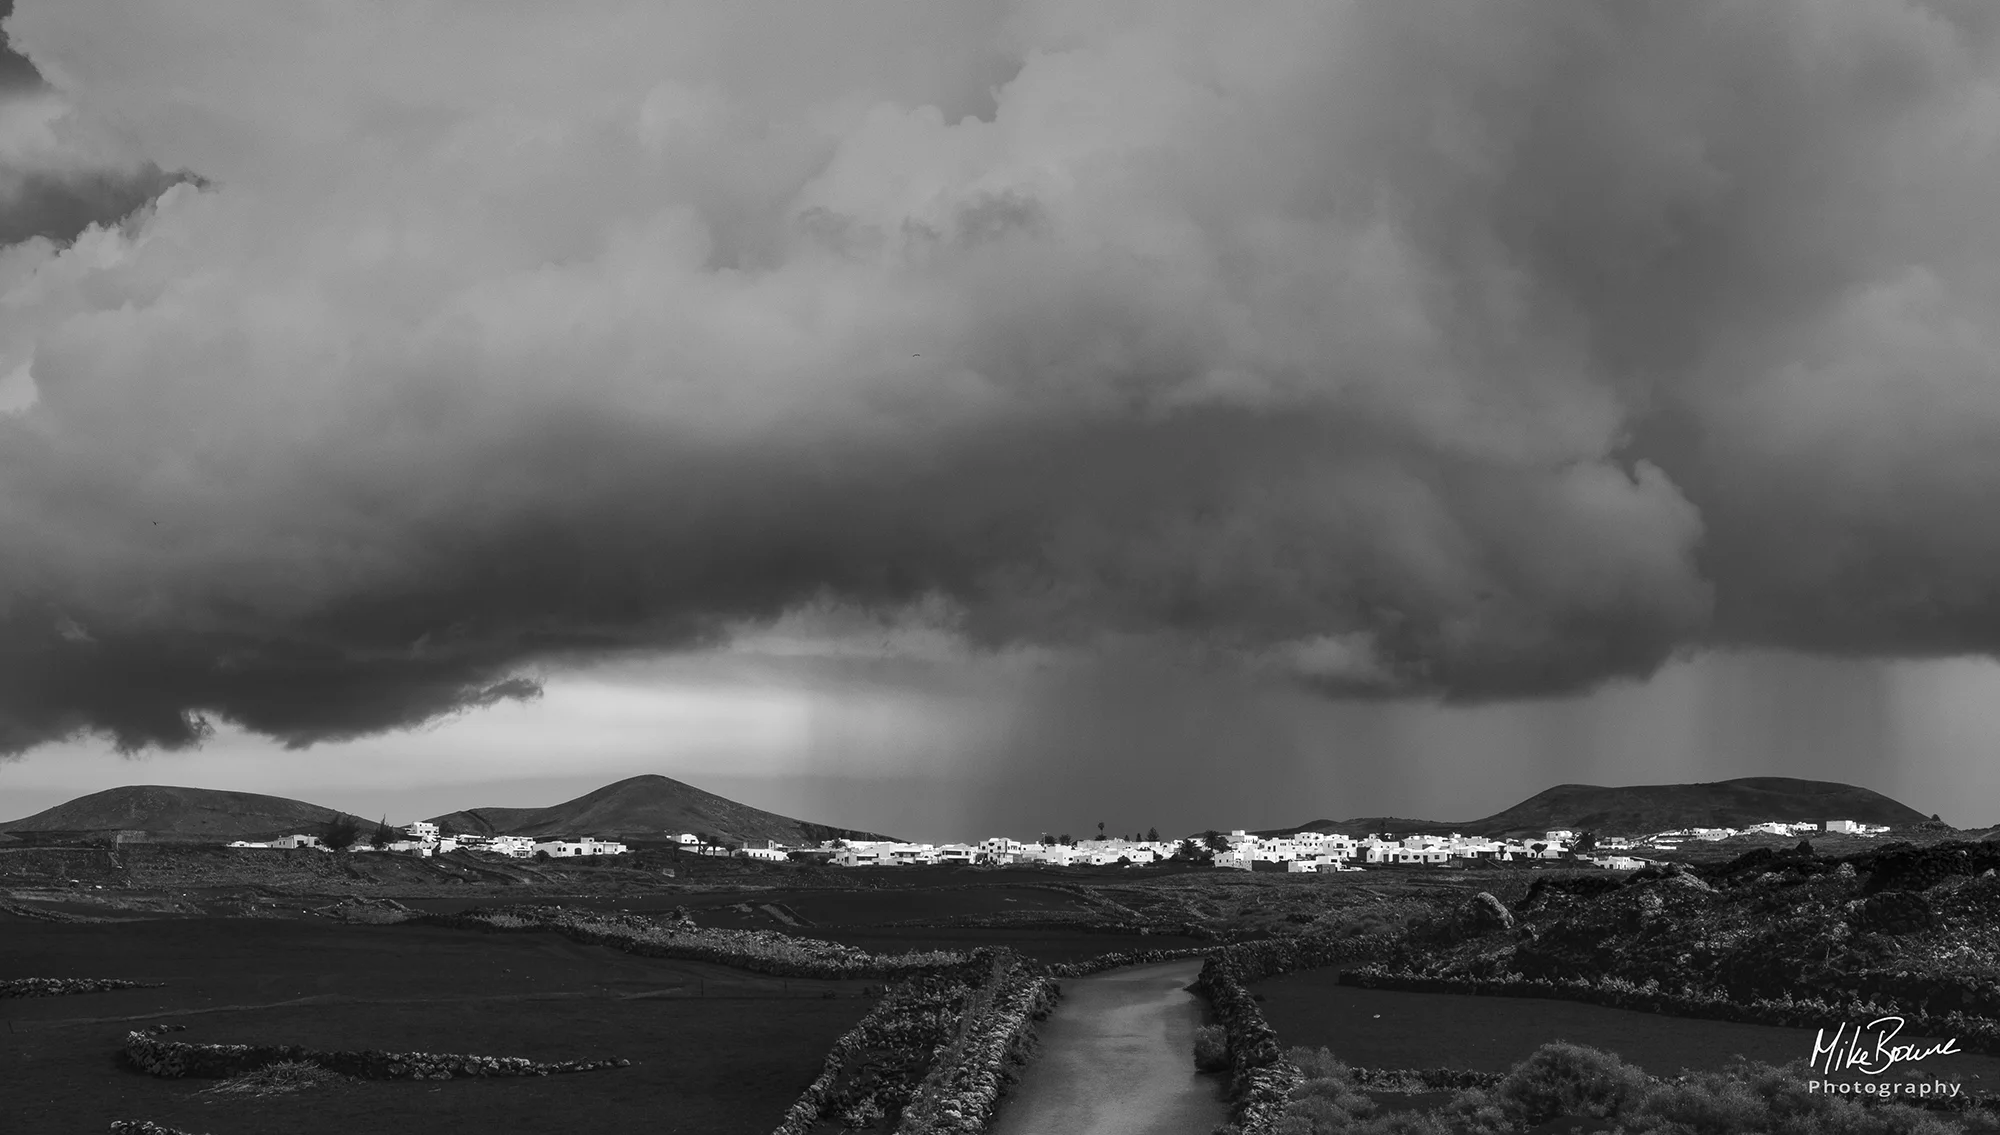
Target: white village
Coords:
[[1300, 851]]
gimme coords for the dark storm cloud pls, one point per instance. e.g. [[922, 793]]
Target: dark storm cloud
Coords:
[[1470, 350], [49, 188]]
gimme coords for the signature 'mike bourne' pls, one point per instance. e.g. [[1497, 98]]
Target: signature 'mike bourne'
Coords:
[[1871, 1060]]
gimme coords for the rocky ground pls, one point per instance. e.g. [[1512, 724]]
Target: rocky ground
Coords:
[[1899, 924]]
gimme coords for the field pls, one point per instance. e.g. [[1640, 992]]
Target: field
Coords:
[[713, 1049], [264, 947], [1372, 1028], [260, 947]]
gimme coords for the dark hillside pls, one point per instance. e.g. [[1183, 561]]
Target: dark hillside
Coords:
[[172, 812], [1643, 808], [646, 807]]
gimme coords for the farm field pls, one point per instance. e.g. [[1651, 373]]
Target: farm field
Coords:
[[730, 1061], [1375, 1028], [827, 905], [1041, 944]]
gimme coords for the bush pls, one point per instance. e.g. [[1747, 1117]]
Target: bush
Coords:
[[282, 1078], [1563, 1079], [58, 986], [1211, 1049]]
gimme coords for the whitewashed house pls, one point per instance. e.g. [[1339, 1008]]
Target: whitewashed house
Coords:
[[1239, 858], [1000, 849], [573, 848], [1050, 855], [517, 846], [857, 855]]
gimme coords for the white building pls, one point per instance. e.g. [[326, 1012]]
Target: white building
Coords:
[[857, 855], [767, 854], [517, 846], [572, 848], [1237, 858], [1848, 826], [911, 855], [1619, 862], [423, 830], [1000, 849]]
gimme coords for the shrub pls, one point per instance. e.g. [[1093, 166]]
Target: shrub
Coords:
[[1211, 1048], [57, 986], [1562, 1079], [1318, 1063], [282, 1078]]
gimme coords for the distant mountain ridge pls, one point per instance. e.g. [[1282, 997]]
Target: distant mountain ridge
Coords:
[[646, 807], [186, 813], [1642, 808], [638, 807]]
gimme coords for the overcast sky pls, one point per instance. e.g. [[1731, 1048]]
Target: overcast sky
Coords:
[[1000, 415]]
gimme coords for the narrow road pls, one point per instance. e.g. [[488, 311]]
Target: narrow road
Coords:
[[1117, 1058]]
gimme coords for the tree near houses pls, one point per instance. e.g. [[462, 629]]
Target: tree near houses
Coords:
[[340, 832], [1100, 829], [1152, 835], [383, 837], [1065, 840], [1215, 841]]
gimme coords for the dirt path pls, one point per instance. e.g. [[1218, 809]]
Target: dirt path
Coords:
[[1117, 1058]]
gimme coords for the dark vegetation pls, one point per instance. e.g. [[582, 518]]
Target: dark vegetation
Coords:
[[1568, 1087], [1781, 937], [341, 832], [148, 1052]]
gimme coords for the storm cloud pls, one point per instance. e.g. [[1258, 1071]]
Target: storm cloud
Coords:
[[1468, 350]]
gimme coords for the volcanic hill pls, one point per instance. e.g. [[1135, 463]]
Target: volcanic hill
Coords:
[[1645, 808], [170, 812], [646, 807]]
